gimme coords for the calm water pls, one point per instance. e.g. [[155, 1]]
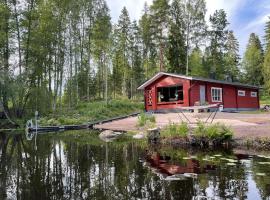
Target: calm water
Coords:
[[77, 165]]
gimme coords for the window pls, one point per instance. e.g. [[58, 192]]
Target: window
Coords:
[[241, 93], [216, 94], [253, 94], [170, 94]]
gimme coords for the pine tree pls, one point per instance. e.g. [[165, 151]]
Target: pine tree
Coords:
[[194, 12], [176, 50], [101, 47], [196, 63], [266, 64], [159, 20], [253, 61], [231, 57], [149, 50], [218, 37], [123, 32]]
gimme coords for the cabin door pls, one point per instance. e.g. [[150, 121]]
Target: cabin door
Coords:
[[202, 94]]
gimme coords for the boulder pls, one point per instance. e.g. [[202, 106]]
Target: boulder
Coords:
[[139, 136], [109, 135], [153, 134]]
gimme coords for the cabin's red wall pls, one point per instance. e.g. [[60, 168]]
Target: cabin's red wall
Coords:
[[168, 81], [230, 98], [191, 89], [247, 101]]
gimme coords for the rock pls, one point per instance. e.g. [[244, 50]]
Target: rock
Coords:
[[109, 135], [139, 136], [153, 134]]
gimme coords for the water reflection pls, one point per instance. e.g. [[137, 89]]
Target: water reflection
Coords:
[[83, 167]]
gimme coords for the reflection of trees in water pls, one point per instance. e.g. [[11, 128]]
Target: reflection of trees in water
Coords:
[[262, 182], [60, 170], [74, 170], [229, 182]]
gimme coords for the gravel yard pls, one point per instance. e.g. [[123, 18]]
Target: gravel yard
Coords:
[[244, 125]]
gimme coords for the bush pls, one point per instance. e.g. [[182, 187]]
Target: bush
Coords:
[[144, 118], [213, 132]]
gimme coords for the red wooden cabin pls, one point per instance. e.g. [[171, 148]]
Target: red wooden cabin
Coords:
[[171, 91]]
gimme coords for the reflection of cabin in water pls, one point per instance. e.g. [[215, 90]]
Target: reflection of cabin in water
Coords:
[[171, 91], [163, 165]]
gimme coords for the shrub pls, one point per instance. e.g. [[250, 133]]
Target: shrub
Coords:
[[213, 132]]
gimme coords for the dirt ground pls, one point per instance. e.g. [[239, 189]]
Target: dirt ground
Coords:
[[244, 125]]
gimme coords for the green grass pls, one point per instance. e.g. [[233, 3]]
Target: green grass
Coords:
[[92, 111], [265, 100], [144, 119]]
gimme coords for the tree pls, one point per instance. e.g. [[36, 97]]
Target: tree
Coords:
[[176, 50], [218, 37], [193, 24], [231, 57], [253, 61], [196, 63], [101, 45], [159, 19], [149, 51], [266, 64]]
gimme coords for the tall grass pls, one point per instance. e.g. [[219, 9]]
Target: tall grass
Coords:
[[144, 118], [175, 130]]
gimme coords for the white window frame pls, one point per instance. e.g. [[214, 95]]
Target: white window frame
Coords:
[[241, 93], [213, 95], [253, 94]]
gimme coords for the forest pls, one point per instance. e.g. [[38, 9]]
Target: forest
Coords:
[[55, 54]]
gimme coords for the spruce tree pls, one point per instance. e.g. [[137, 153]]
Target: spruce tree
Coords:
[[196, 63], [218, 37], [232, 58], [266, 64], [253, 61], [159, 20]]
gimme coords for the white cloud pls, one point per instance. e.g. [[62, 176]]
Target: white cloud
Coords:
[[259, 21], [134, 7], [230, 6]]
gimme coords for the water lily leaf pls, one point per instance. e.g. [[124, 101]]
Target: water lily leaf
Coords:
[[217, 155], [264, 163], [231, 164], [186, 158], [260, 174]]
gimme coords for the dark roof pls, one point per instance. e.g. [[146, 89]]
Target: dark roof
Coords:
[[160, 74]]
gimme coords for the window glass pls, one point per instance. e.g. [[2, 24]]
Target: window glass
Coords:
[[253, 94], [241, 93], [170, 94], [216, 94]]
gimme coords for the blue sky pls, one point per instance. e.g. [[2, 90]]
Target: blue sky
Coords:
[[245, 16]]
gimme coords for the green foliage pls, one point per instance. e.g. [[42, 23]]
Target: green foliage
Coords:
[[93, 111], [175, 130], [145, 119], [213, 131], [253, 61], [218, 36], [266, 64], [196, 64]]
